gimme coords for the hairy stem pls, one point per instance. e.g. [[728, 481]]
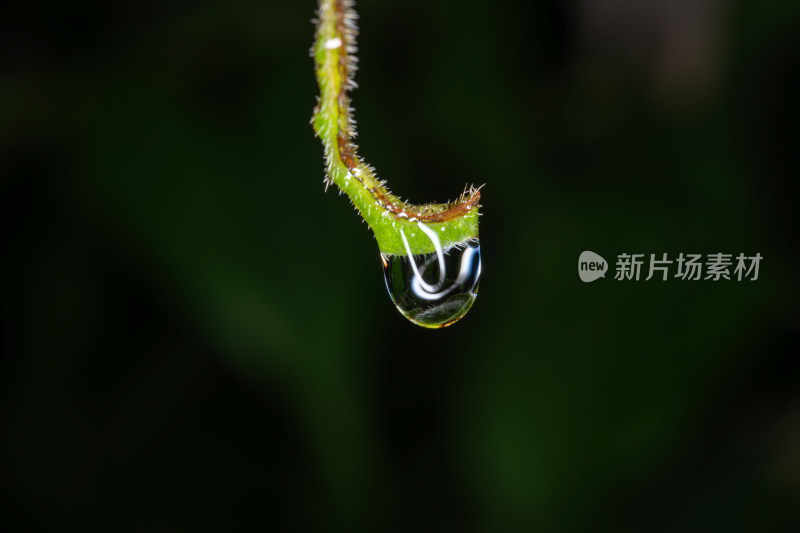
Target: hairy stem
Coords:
[[455, 223]]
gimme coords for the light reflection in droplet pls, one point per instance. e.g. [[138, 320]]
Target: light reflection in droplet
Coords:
[[435, 289]]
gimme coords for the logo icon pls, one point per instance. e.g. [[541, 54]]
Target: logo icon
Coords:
[[591, 266]]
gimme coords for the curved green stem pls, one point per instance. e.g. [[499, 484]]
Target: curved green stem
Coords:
[[455, 223]]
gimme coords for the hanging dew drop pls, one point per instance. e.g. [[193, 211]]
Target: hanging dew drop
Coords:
[[425, 296], [435, 289]]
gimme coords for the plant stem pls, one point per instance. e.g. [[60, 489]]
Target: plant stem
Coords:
[[390, 218]]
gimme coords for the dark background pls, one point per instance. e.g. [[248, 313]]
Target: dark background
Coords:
[[197, 338]]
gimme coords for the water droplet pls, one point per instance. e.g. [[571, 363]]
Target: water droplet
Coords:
[[332, 44], [436, 289]]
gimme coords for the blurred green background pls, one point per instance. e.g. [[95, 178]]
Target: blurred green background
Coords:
[[197, 338]]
